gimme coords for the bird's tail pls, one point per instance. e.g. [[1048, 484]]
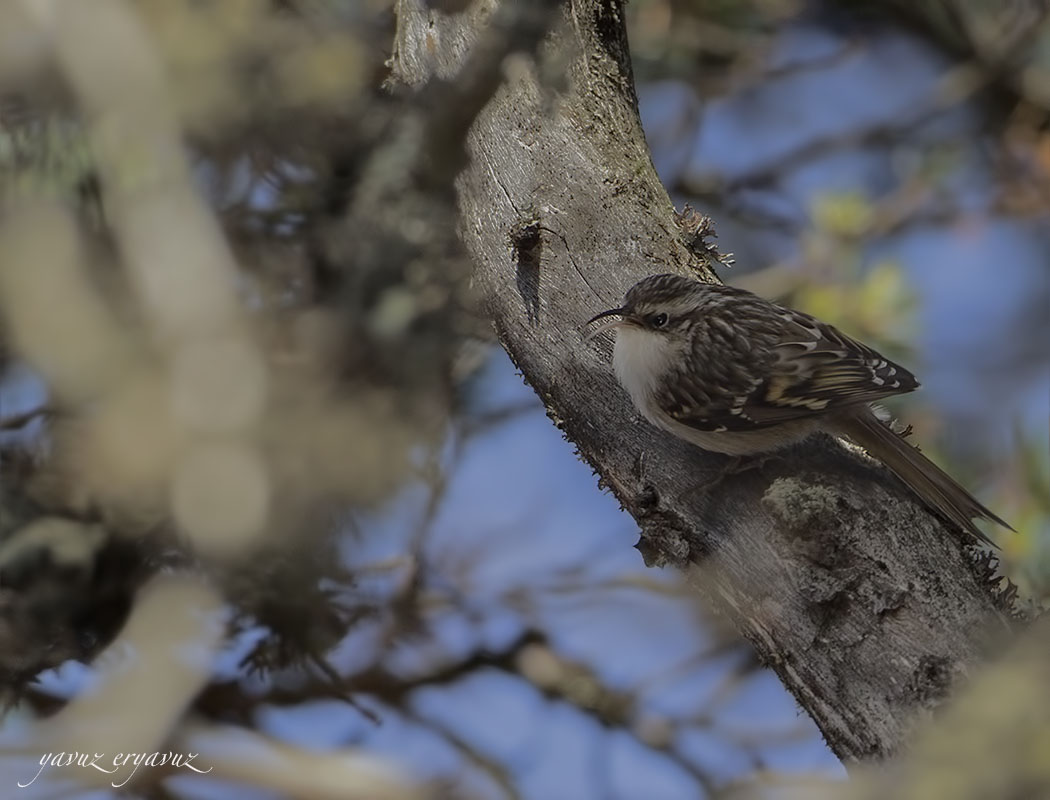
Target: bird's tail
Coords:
[[932, 484]]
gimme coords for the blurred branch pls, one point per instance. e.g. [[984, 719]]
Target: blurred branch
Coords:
[[455, 101], [17, 421], [250, 759], [953, 88], [233, 419], [499, 773], [1007, 39], [170, 640], [229, 700], [529, 657]]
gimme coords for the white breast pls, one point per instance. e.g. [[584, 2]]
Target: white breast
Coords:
[[641, 359]]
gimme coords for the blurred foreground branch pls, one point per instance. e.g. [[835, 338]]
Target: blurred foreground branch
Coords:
[[256, 324]]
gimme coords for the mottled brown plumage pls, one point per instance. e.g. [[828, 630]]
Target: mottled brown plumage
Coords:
[[771, 364], [737, 374]]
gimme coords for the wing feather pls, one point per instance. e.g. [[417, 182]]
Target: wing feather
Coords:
[[754, 364]]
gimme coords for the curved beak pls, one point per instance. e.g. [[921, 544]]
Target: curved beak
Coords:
[[608, 326], [612, 312]]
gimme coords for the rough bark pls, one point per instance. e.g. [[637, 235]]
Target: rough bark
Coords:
[[867, 606]]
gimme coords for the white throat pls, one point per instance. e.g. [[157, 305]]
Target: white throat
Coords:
[[641, 360]]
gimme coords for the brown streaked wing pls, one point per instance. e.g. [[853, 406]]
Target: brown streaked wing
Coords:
[[789, 366], [818, 368]]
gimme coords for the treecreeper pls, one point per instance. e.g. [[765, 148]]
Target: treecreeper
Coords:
[[734, 373]]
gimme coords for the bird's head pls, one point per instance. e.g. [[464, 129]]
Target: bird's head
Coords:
[[662, 305]]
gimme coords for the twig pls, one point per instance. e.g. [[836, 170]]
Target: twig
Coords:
[[17, 421]]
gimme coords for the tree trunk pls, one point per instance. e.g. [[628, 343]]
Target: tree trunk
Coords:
[[866, 605]]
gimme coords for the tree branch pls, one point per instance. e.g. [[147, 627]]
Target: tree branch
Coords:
[[865, 604]]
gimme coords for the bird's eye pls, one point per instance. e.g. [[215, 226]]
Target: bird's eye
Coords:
[[658, 320]]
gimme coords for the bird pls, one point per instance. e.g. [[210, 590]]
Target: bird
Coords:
[[734, 373]]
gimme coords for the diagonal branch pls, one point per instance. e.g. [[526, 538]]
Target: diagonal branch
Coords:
[[867, 606]]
